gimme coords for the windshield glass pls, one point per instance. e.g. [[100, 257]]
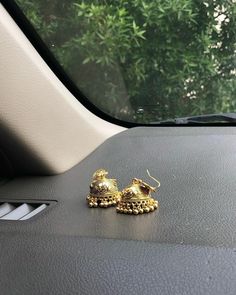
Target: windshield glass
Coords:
[[144, 61]]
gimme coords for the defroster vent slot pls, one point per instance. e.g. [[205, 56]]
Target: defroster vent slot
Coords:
[[20, 210]]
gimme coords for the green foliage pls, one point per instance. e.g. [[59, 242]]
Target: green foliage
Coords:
[[165, 58]]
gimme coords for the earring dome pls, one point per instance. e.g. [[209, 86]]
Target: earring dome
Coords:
[[103, 191], [136, 198]]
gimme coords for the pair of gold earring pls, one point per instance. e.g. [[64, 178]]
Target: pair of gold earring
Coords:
[[134, 199]]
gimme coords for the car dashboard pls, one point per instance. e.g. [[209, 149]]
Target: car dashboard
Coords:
[[187, 246]]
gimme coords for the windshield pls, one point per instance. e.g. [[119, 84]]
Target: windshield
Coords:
[[144, 61]]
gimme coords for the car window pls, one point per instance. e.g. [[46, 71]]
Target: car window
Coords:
[[144, 61]]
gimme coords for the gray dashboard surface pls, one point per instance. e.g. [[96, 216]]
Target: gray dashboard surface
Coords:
[[188, 246]]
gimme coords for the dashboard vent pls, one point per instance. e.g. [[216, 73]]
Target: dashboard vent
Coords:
[[20, 211]]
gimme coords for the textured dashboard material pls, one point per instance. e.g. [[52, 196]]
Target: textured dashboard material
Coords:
[[187, 247]]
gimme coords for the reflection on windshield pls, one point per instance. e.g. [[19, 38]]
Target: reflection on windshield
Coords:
[[143, 60]]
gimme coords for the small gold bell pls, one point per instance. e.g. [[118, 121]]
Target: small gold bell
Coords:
[[136, 198], [103, 191]]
